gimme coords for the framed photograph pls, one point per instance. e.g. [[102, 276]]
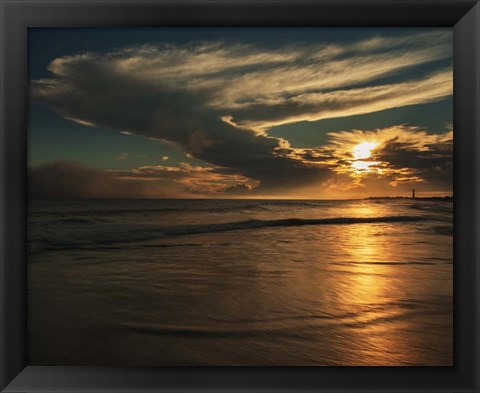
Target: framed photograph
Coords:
[[210, 185]]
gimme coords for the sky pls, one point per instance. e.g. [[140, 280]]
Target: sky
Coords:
[[321, 113]]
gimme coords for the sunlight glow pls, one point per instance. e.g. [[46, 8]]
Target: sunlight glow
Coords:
[[364, 150], [363, 165], [361, 152]]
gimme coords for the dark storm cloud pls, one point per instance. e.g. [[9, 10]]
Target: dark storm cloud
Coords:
[[401, 154], [91, 92], [433, 162]]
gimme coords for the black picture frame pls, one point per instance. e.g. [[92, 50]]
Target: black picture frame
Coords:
[[18, 15]]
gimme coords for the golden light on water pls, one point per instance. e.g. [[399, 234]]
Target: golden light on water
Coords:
[[370, 288]]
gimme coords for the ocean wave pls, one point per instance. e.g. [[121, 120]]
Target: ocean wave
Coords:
[[155, 210], [297, 326], [287, 222], [211, 332], [80, 220], [444, 230], [106, 212], [105, 234], [433, 207], [435, 261]]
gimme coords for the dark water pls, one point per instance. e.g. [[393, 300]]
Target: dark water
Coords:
[[202, 282]]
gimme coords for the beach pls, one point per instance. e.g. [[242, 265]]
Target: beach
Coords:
[[240, 282]]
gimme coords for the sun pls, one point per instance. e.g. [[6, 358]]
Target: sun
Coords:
[[363, 150]]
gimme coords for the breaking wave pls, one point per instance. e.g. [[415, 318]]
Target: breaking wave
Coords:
[[105, 234]]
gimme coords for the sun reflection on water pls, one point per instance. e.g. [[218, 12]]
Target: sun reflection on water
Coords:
[[370, 292]]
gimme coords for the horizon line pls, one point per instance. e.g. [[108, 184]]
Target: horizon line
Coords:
[[250, 198]]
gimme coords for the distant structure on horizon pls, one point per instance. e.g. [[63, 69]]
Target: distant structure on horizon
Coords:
[[413, 193]]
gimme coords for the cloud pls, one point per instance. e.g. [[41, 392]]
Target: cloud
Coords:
[[390, 161], [121, 102], [66, 179], [393, 156], [343, 103], [244, 80], [216, 102], [198, 180]]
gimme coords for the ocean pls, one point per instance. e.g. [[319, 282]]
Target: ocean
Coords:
[[240, 282]]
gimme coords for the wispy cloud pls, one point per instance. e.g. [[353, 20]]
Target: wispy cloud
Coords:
[[244, 81], [342, 103], [75, 180], [194, 179], [217, 102], [396, 155]]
